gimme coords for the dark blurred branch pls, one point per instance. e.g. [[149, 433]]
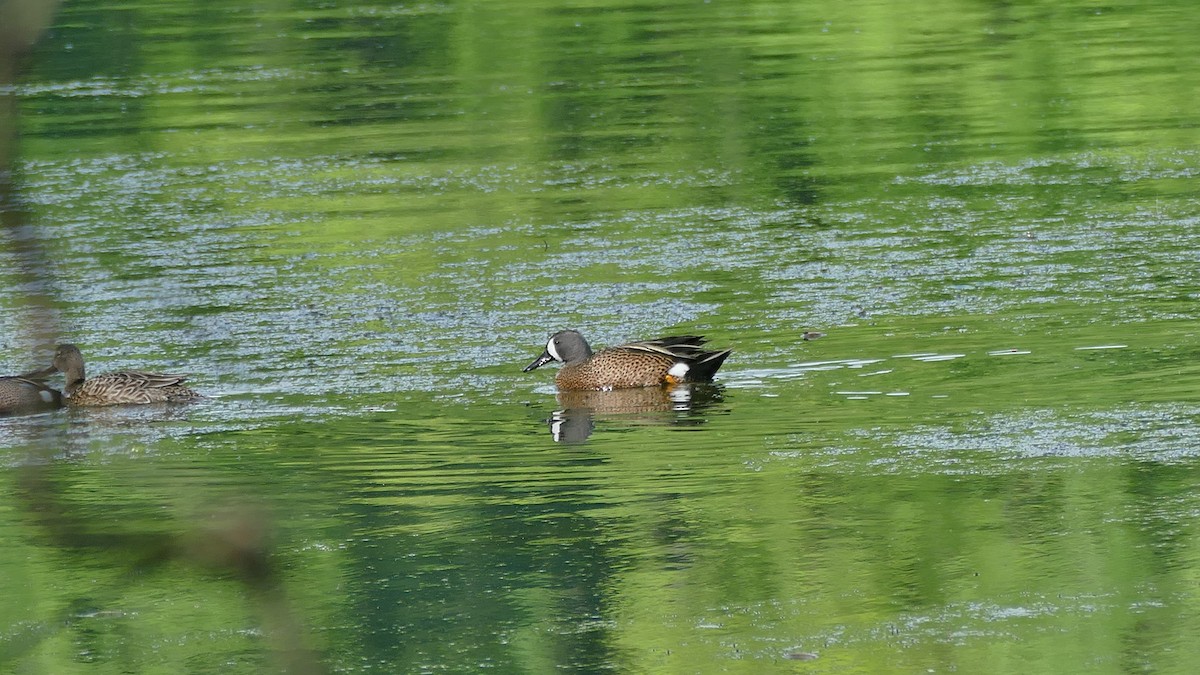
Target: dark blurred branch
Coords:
[[24, 21], [21, 23], [231, 542]]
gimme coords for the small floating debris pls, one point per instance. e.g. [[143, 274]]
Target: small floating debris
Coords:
[[1081, 349], [800, 656], [1008, 352], [812, 335]]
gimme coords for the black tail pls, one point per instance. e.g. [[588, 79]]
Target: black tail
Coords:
[[685, 341], [706, 365]]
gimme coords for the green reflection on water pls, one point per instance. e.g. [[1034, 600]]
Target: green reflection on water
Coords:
[[355, 222]]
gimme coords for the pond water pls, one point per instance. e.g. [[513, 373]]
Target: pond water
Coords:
[[354, 223]]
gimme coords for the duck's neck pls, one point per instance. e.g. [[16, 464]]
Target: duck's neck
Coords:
[[74, 377]]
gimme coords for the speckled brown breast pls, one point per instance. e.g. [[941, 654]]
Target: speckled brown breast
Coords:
[[616, 368]]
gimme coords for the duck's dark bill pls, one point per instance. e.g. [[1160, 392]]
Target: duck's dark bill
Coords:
[[539, 362]]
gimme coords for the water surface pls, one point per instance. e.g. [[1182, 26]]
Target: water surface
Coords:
[[354, 223]]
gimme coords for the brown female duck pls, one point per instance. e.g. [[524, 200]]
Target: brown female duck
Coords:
[[126, 386]]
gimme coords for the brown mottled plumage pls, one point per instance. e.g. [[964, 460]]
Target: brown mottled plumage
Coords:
[[27, 393], [127, 386], [648, 363]]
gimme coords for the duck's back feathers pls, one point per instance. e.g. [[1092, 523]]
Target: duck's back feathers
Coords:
[[132, 386]]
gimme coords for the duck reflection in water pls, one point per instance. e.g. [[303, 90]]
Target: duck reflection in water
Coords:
[[682, 405]]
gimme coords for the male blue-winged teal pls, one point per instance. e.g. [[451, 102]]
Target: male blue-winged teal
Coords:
[[126, 386], [648, 363], [28, 393]]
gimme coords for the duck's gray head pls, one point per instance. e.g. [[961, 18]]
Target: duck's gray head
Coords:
[[67, 356], [565, 346], [69, 362]]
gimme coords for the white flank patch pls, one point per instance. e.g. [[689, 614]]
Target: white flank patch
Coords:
[[679, 370], [553, 352], [46, 396]]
